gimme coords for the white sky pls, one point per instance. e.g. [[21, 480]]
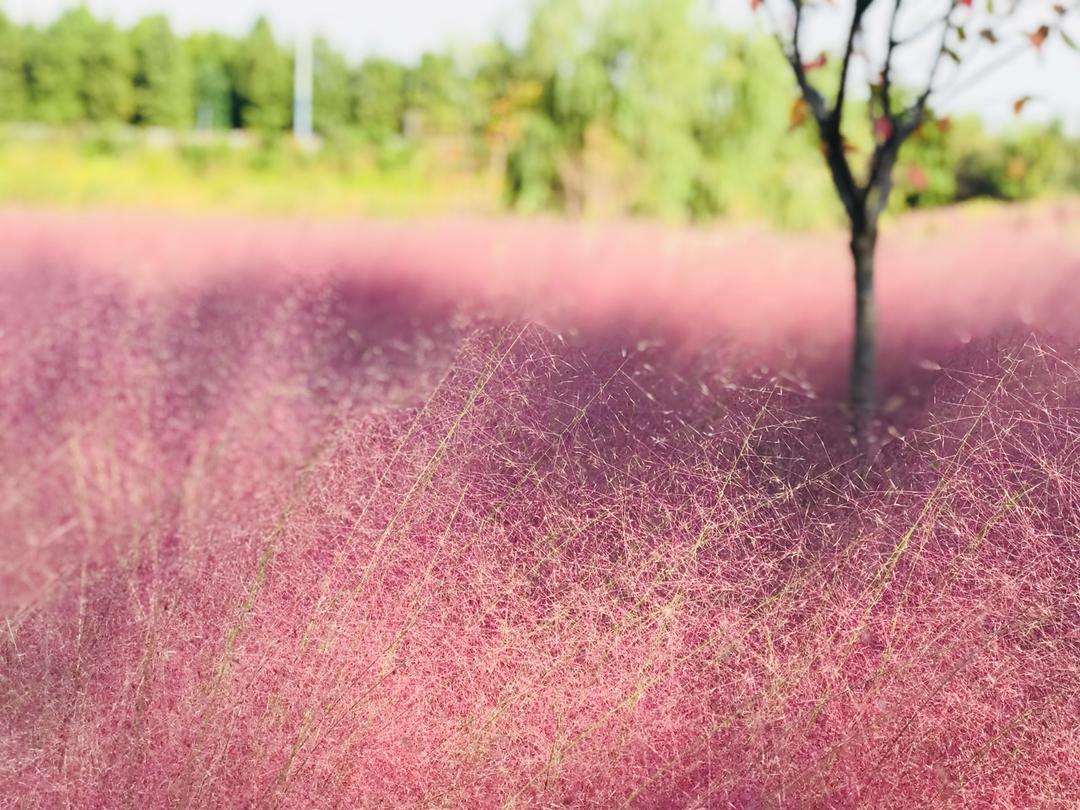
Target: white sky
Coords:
[[399, 28], [404, 28]]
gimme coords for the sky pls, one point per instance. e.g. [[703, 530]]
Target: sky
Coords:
[[405, 28], [399, 28]]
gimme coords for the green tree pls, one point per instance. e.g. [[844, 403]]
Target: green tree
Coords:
[[437, 91], [637, 69], [532, 166], [756, 164], [377, 93], [164, 93], [331, 88], [81, 69], [13, 91], [559, 53], [56, 61], [659, 58], [108, 72], [210, 57], [262, 78], [561, 58], [559, 35]]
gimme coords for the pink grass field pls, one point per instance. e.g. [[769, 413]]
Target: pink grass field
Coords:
[[529, 514]]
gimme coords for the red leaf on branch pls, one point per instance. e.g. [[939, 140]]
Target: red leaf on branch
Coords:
[[816, 64], [883, 129], [917, 179], [1039, 37]]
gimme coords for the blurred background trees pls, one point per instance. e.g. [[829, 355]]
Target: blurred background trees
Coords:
[[14, 98], [262, 81], [376, 98], [606, 107], [164, 87], [54, 68], [210, 57]]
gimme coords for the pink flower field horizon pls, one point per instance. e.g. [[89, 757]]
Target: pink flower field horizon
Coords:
[[470, 514]]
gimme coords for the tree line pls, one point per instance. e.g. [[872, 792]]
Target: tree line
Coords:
[[644, 106], [83, 69]]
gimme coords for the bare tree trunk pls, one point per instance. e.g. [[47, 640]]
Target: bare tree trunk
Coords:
[[863, 246]]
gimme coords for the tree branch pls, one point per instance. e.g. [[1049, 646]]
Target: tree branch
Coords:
[[813, 98], [828, 121], [873, 197], [919, 32], [1004, 59], [918, 108], [886, 73], [861, 7]]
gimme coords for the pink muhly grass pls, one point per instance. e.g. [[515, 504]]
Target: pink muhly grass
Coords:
[[503, 515]]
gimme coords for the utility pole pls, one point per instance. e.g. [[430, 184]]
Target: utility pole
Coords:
[[303, 89]]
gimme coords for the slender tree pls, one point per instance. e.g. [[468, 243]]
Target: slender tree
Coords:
[[438, 90], [13, 95], [56, 58], [331, 88], [210, 57], [896, 113], [377, 98], [108, 70], [263, 80], [163, 83]]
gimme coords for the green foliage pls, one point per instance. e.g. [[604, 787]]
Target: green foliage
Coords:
[[953, 161], [201, 157], [659, 64], [119, 167], [107, 141], [758, 164], [608, 107], [560, 34], [56, 67], [1037, 159], [701, 114], [81, 69], [210, 56], [438, 94], [377, 96], [532, 173], [331, 88], [164, 91], [927, 170], [13, 91], [262, 78], [108, 66]]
